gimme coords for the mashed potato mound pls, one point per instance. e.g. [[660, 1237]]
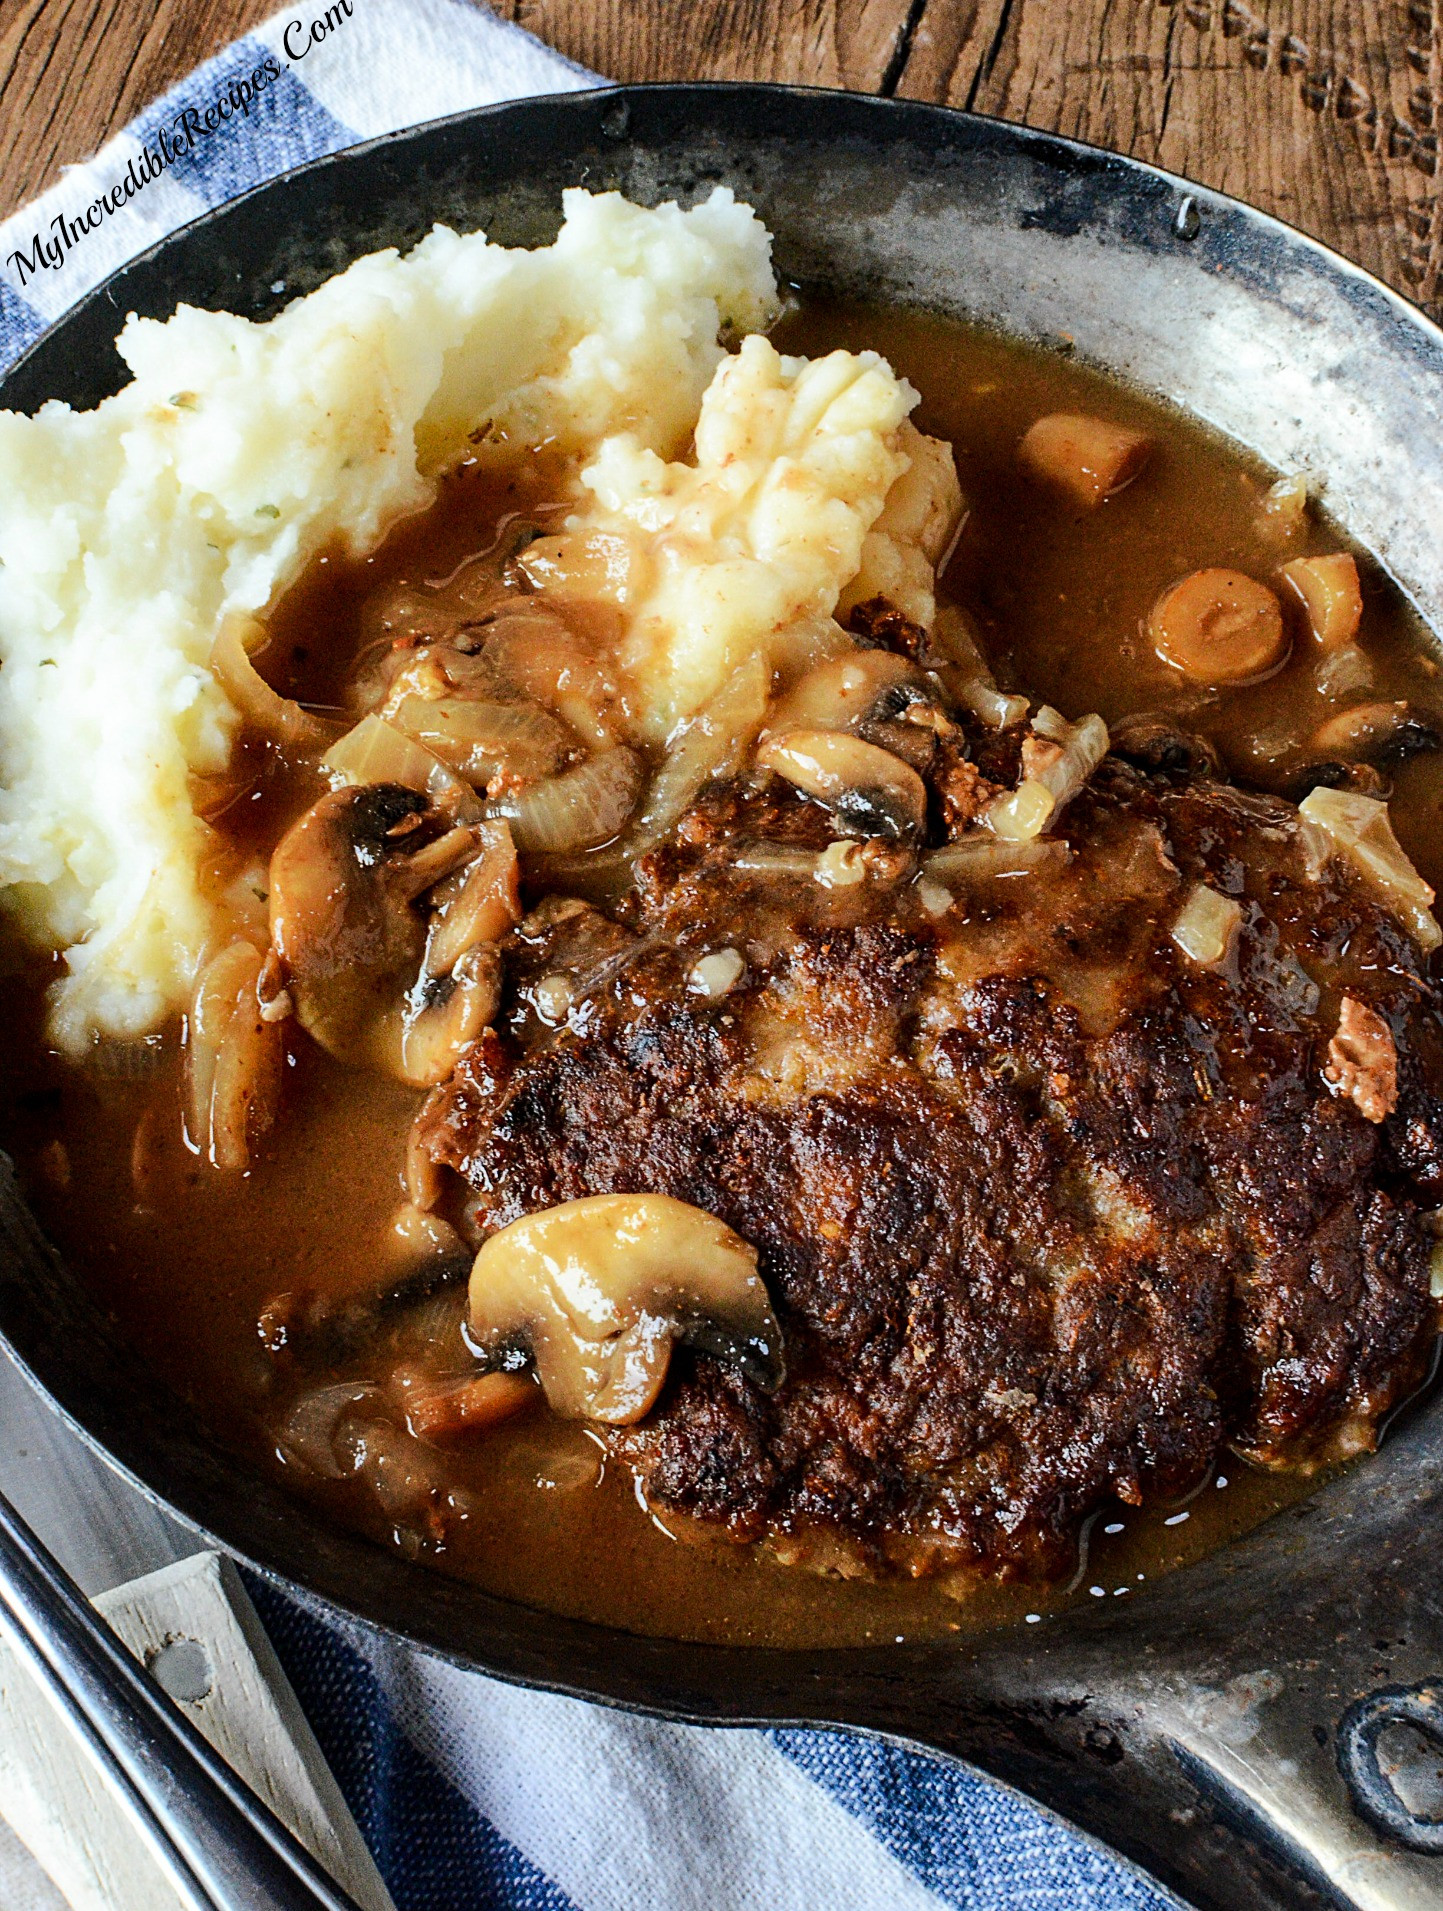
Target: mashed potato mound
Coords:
[[731, 507], [751, 544], [237, 453]]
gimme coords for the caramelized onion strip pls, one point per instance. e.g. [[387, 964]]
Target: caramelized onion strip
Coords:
[[1207, 926], [266, 710], [980, 856], [966, 675], [576, 810], [479, 738], [377, 752], [1040, 797], [233, 1060], [712, 744], [1361, 830]]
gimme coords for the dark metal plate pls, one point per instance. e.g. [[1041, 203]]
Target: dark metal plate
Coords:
[[1223, 1729]]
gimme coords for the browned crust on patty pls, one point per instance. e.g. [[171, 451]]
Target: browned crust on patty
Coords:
[[1048, 1213]]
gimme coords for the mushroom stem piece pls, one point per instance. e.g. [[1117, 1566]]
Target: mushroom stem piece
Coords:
[[599, 1289]]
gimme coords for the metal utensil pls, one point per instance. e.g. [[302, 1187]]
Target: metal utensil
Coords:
[[220, 1848], [1224, 1727]]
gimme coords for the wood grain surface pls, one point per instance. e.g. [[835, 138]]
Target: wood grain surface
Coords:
[[1322, 111]]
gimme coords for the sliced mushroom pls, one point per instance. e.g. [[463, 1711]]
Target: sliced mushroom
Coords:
[[1155, 743], [420, 1174], [444, 1015], [879, 696], [418, 1238], [1373, 733], [866, 788], [344, 881], [1328, 590], [1092, 459], [844, 690], [478, 903], [1218, 626], [598, 1289], [877, 624], [1359, 779]]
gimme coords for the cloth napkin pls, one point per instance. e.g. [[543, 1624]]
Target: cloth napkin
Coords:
[[473, 1794]]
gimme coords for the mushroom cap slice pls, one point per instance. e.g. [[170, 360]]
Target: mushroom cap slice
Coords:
[[842, 691], [869, 790], [599, 1288], [343, 932], [344, 881]]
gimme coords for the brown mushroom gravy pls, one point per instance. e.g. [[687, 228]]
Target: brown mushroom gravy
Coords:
[[313, 1332]]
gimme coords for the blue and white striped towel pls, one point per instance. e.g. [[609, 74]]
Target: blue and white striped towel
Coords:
[[473, 1794]]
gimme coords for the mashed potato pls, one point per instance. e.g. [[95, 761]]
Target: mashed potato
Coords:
[[730, 506], [237, 453], [750, 545]]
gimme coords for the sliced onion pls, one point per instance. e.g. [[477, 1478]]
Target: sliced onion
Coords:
[[534, 653], [1052, 725], [1206, 926], [994, 706], [377, 752], [308, 1432], [480, 738], [1344, 671], [980, 856], [712, 744], [1362, 831], [267, 711], [966, 675], [233, 1059], [776, 859], [577, 809], [1285, 504], [1038, 800]]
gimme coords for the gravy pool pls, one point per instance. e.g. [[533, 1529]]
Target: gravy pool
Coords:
[[186, 1259]]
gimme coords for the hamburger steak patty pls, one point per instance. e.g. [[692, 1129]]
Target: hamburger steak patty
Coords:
[[1047, 1210]]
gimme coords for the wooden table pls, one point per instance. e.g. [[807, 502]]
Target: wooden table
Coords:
[[1322, 111]]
